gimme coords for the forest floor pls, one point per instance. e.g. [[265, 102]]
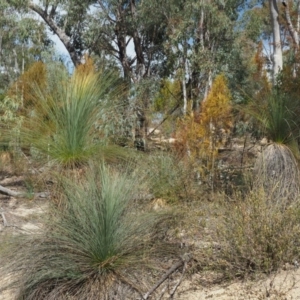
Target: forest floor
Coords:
[[24, 215]]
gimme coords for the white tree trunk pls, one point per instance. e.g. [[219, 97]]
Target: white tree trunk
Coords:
[[208, 85], [277, 49], [184, 73]]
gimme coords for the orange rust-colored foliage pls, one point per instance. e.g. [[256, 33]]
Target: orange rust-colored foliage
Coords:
[[259, 61], [23, 88], [259, 76], [200, 136], [88, 67]]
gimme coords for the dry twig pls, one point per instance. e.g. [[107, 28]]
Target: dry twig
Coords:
[[185, 259]]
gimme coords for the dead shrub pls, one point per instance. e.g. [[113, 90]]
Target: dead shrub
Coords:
[[253, 236]]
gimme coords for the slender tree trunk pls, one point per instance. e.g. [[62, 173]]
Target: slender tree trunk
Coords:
[[121, 42], [298, 16], [201, 30], [277, 49], [208, 85], [195, 85], [292, 30], [184, 67], [23, 70], [141, 72]]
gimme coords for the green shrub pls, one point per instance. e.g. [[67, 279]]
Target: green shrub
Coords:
[[170, 177]]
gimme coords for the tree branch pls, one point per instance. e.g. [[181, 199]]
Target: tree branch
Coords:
[[106, 12], [66, 40]]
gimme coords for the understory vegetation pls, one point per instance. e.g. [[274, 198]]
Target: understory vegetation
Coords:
[[118, 218]]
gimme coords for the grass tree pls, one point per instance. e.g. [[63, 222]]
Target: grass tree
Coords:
[[98, 247], [277, 167], [62, 123]]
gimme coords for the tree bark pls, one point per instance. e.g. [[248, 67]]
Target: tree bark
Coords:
[[292, 30], [184, 72], [277, 49], [208, 85]]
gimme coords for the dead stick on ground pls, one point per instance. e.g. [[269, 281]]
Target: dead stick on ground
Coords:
[[185, 259], [5, 224], [9, 192], [163, 292], [179, 281], [6, 191]]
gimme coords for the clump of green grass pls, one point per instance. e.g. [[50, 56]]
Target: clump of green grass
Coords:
[[254, 235], [169, 177], [93, 246], [61, 124], [276, 116]]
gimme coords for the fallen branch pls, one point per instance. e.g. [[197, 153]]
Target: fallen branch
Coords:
[[185, 259], [9, 192], [16, 194], [163, 292], [179, 281]]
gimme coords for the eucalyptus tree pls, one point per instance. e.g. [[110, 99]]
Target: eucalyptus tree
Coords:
[[66, 19], [201, 35], [292, 22], [277, 22], [117, 26], [107, 29], [132, 32], [107, 26], [22, 40]]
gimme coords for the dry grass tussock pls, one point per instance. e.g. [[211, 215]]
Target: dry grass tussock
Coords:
[[276, 170]]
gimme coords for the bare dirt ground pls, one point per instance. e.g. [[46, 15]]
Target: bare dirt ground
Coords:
[[18, 215], [284, 285]]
